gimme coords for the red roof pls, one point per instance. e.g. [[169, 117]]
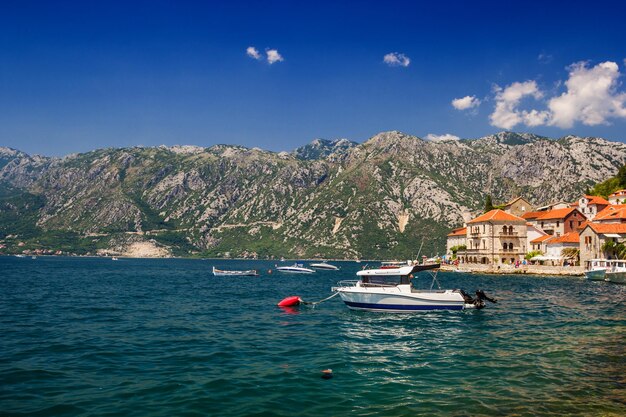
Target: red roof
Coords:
[[571, 237], [461, 231], [497, 215], [594, 199], [532, 215], [603, 228], [556, 214], [612, 212], [617, 193], [541, 238]]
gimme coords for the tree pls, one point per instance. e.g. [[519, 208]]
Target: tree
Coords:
[[488, 203], [532, 254], [572, 253], [621, 176], [614, 249]]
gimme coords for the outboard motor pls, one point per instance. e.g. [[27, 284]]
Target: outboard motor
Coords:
[[479, 301]]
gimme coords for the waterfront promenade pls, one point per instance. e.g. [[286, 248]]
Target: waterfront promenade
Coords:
[[522, 269]]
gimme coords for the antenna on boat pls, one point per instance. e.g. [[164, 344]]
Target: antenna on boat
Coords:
[[419, 251]]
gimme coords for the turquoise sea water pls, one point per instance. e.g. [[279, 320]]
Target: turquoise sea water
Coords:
[[95, 337]]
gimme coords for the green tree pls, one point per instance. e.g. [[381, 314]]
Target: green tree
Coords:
[[488, 203], [532, 254]]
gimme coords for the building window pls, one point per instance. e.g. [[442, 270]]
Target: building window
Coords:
[[571, 224], [557, 223]]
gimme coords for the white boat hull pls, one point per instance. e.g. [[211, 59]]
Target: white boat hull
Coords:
[[393, 299], [616, 277], [291, 270], [324, 266], [596, 275]]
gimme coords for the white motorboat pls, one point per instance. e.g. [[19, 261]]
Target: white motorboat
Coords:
[[596, 270], [295, 269], [616, 271], [223, 273], [324, 265], [391, 290]]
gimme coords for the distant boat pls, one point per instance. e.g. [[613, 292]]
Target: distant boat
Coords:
[[223, 273], [295, 269], [114, 258], [33, 257], [616, 272], [20, 256], [324, 265], [597, 270]]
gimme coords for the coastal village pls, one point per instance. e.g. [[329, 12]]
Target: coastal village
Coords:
[[562, 237]]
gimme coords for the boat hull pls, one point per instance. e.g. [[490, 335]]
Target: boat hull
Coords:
[[616, 277], [295, 271], [386, 300], [596, 275]]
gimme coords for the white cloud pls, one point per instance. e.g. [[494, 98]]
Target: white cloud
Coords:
[[273, 56], [395, 59], [440, 138], [252, 52], [464, 103], [506, 114], [591, 97]]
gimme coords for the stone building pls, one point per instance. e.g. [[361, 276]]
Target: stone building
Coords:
[[495, 237], [594, 235]]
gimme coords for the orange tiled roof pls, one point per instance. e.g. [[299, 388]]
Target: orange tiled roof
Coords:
[[618, 192], [497, 215], [603, 228], [556, 214], [594, 199], [612, 212], [541, 238], [532, 215], [461, 231], [571, 237]]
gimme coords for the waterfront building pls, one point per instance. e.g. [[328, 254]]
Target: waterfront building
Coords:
[[555, 245], [618, 197], [590, 205], [495, 237], [615, 213], [554, 206], [532, 233], [558, 222], [594, 235], [458, 237], [540, 243], [517, 206]]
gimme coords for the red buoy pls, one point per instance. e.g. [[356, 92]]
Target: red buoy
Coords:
[[290, 301]]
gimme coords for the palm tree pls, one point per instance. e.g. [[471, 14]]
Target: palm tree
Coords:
[[571, 253], [618, 250]]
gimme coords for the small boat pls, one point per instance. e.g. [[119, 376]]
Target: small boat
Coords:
[[391, 290], [324, 265], [20, 256], [33, 257], [616, 271], [597, 270], [223, 273], [295, 269], [114, 258]]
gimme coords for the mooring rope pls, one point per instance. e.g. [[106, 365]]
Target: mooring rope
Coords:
[[320, 301]]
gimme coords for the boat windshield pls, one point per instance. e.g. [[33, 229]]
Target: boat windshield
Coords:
[[385, 280]]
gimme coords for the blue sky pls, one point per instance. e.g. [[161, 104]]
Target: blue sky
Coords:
[[75, 76]]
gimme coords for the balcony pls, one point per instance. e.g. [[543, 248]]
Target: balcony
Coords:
[[507, 234]]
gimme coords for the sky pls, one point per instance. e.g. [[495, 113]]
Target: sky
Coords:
[[76, 76]]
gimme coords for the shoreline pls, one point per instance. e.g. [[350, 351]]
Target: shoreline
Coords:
[[571, 271]]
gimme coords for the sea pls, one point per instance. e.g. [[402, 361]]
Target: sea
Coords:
[[164, 337]]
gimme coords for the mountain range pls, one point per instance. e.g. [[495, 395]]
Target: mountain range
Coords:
[[384, 198]]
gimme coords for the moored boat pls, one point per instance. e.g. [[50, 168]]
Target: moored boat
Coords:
[[596, 270], [391, 290], [324, 265], [616, 271], [295, 269], [224, 273]]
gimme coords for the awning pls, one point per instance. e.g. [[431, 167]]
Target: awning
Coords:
[[611, 235]]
